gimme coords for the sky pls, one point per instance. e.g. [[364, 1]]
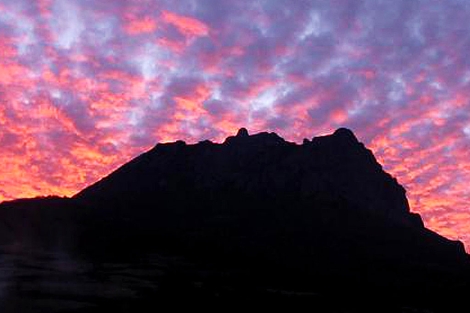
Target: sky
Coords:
[[87, 85]]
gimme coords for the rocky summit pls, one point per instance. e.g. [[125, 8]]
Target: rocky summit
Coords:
[[253, 217]]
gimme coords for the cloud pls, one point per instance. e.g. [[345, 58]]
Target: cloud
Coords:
[[87, 85], [141, 26], [188, 26]]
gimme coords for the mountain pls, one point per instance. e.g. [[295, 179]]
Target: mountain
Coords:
[[253, 217]]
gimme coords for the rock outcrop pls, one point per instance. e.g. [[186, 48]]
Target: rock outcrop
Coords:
[[336, 167]]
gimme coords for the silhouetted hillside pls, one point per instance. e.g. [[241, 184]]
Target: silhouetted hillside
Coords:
[[255, 216]]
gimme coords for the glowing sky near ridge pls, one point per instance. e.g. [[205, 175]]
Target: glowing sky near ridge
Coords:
[[86, 85]]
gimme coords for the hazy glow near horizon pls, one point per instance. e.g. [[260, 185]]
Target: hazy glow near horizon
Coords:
[[86, 85]]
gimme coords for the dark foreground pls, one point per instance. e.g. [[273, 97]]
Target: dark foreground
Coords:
[[56, 283]]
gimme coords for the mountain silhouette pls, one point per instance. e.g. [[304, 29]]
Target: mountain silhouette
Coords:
[[253, 217]]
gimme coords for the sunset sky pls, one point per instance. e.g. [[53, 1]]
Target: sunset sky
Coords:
[[87, 85]]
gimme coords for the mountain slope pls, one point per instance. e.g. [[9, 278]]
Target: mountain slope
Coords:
[[333, 179], [335, 166]]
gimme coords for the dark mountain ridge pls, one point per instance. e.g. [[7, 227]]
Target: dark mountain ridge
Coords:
[[254, 215], [336, 166]]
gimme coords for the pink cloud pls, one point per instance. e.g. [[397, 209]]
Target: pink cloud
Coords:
[[188, 26], [82, 94], [141, 26]]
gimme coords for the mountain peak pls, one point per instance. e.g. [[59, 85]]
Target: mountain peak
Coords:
[[345, 134], [242, 132]]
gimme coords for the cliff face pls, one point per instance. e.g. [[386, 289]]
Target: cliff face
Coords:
[[250, 215], [335, 167]]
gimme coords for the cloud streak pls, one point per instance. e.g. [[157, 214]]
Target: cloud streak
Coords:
[[87, 85]]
